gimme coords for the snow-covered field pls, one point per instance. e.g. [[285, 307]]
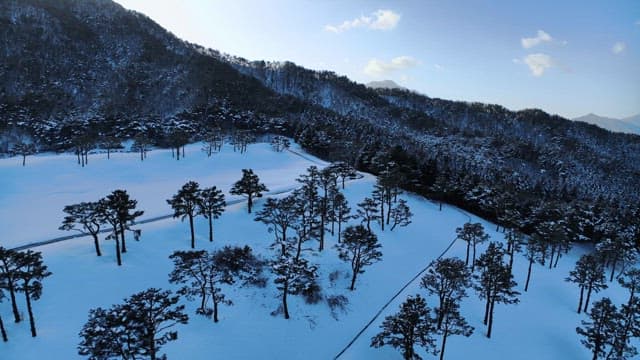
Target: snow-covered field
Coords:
[[542, 326]]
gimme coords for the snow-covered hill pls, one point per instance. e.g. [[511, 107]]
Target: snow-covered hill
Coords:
[[542, 326]]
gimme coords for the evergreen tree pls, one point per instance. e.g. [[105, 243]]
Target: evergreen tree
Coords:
[[137, 328], [411, 326], [86, 218], [250, 186], [326, 182], [344, 171], [360, 247], [600, 330], [24, 149], [293, 275], [494, 282], [32, 272], [118, 207], [280, 215], [185, 204], [341, 212], [400, 214], [368, 212], [588, 275], [448, 279], [515, 241], [203, 273], [211, 205], [10, 268], [473, 234]]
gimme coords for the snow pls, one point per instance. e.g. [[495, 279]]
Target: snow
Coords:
[[542, 326]]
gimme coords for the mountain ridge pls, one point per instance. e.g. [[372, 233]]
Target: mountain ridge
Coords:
[[117, 73], [629, 125]]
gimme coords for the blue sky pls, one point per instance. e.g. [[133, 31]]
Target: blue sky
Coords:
[[566, 57]]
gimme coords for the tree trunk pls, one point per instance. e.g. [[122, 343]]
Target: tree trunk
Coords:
[[96, 244], [487, 309], [24, 159], [152, 346], [613, 269], [440, 206], [3, 331], [284, 299], [586, 302], [339, 230], [322, 221], [553, 251], [473, 263], [249, 203], [511, 260], [382, 212], [490, 320], [118, 256], [124, 244], [444, 343], [193, 238], [353, 280], [215, 310], [210, 228], [14, 304], [32, 322], [581, 297], [108, 153], [466, 261], [526, 285]]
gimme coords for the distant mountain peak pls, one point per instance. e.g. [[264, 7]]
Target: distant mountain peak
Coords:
[[629, 125], [383, 84]]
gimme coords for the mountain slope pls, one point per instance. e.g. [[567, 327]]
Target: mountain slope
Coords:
[[115, 73], [617, 125]]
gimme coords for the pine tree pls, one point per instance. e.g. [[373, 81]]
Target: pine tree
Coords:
[[411, 326], [495, 282], [86, 218], [344, 171], [24, 149], [600, 330], [473, 234], [137, 328], [211, 205], [10, 269], [32, 272], [326, 182], [515, 241], [589, 275], [293, 275], [342, 212], [368, 212], [250, 186], [400, 214], [118, 207], [360, 247], [202, 274], [280, 215], [185, 204], [448, 279]]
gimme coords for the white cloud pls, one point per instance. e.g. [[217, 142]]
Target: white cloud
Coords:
[[618, 48], [541, 37], [538, 63], [377, 67], [378, 20]]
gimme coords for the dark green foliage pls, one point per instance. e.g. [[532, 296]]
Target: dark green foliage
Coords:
[[250, 186], [138, 328], [411, 326], [360, 247]]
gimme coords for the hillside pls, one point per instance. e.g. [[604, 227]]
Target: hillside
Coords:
[[114, 74]]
